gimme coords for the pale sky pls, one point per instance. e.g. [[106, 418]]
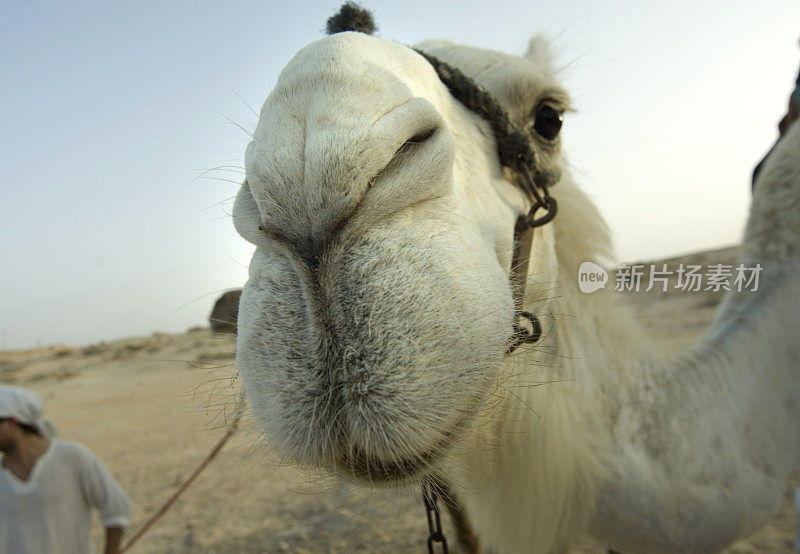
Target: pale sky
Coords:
[[112, 111]]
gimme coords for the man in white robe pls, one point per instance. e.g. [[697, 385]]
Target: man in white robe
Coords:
[[49, 486]]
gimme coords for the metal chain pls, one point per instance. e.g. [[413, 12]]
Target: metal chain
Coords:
[[436, 534], [523, 244], [540, 201]]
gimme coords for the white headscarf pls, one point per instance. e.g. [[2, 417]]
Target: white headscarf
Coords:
[[26, 407]]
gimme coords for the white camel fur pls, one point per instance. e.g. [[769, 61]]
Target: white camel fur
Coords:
[[374, 323]]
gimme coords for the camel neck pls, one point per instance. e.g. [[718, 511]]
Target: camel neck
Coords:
[[703, 441]]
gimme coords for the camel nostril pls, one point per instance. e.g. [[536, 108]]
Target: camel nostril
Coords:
[[423, 135], [416, 140]]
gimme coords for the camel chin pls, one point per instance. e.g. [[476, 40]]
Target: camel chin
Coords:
[[351, 367]]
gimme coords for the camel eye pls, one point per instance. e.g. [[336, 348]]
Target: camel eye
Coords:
[[548, 122]]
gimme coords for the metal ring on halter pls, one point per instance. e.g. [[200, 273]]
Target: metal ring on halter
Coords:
[[522, 335], [549, 204]]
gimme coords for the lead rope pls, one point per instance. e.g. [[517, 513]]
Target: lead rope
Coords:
[[185, 485]]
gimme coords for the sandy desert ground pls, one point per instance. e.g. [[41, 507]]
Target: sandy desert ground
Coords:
[[153, 407]]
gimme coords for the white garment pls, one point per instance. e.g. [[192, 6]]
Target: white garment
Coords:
[[50, 513]]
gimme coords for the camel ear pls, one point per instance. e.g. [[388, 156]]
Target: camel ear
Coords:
[[539, 53]]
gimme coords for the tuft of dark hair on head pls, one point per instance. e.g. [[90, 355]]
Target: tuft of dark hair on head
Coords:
[[351, 17]]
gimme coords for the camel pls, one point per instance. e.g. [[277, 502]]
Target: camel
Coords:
[[374, 324]]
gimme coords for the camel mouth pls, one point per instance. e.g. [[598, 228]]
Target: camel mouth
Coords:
[[365, 467], [391, 472]]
